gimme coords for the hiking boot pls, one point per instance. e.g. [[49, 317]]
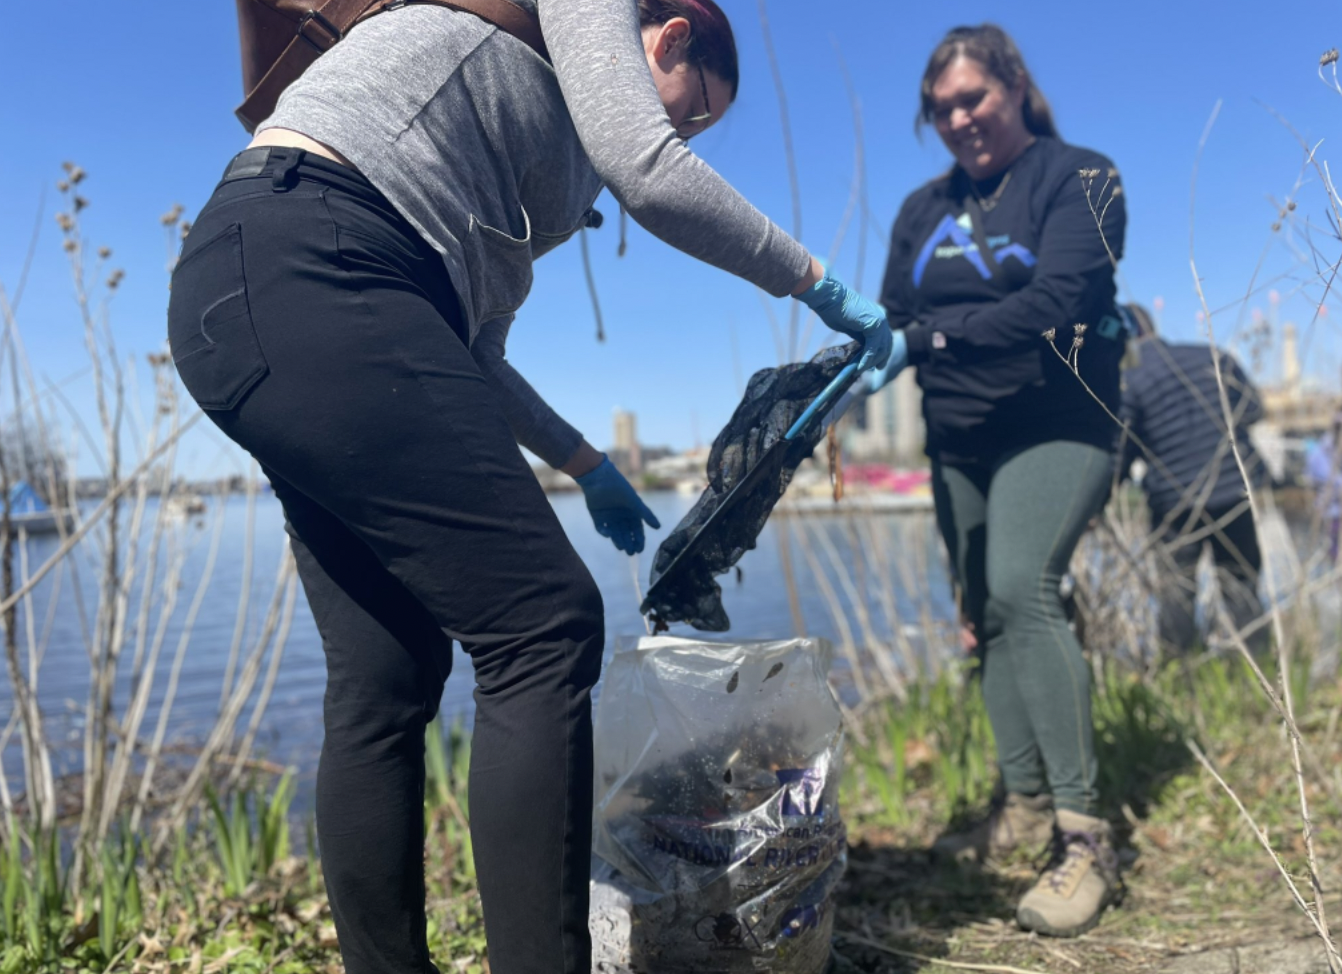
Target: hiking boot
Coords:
[[1080, 881], [1020, 822]]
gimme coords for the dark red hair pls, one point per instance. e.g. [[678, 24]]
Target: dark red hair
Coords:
[[712, 42]]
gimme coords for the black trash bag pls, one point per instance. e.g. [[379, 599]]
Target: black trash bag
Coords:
[[774, 399]]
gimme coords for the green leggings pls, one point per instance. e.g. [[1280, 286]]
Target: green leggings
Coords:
[[1011, 527]]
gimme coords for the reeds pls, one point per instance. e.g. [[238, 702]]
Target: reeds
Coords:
[[76, 851]]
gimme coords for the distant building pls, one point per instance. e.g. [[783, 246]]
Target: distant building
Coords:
[[626, 455], [1295, 412], [682, 472], [890, 427]]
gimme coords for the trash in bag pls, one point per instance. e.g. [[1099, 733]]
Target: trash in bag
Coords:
[[718, 843], [774, 400]]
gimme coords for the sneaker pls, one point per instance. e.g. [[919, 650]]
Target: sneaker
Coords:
[[1019, 822], [1081, 879]]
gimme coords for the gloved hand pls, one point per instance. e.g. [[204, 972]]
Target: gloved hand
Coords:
[[844, 310], [616, 509], [878, 379]]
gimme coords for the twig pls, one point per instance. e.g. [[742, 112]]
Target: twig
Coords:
[[783, 531], [32, 251], [174, 674], [924, 959], [857, 598], [846, 641], [272, 675], [222, 733], [780, 347], [93, 516], [794, 180], [591, 285], [1283, 652], [1263, 840], [245, 592], [857, 198]]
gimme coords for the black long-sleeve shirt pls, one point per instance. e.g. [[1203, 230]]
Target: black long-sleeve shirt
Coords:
[[976, 324], [1172, 404]]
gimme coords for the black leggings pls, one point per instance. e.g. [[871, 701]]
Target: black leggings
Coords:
[[323, 335]]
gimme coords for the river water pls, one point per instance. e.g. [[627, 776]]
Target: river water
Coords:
[[291, 730]]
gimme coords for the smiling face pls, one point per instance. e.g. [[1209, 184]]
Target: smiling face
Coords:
[[980, 119], [694, 97]]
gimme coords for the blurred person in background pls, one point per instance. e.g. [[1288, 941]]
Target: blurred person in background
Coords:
[[1193, 485], [1000, 288], [1323, 471]]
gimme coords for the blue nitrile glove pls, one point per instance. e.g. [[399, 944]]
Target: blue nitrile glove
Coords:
[[844, 310], [878, 379], [616, 509]]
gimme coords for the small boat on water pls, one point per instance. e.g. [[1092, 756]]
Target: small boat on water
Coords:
[[31, 514], [183, 506]]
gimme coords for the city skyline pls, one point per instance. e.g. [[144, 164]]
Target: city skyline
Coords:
[[682, 337]]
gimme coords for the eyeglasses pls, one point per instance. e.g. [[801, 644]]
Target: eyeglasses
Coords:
[[692, 126]]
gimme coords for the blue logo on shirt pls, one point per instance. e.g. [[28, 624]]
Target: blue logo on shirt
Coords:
[[952, 238]]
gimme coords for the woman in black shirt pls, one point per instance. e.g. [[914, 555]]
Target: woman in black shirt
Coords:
[[1001, 286]]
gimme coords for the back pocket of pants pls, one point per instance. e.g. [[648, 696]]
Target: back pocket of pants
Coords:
[[210, 327]]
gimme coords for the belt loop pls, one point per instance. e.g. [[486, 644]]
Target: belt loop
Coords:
[[285, 177]]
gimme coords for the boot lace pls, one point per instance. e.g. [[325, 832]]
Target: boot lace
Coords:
[[1074, 850]]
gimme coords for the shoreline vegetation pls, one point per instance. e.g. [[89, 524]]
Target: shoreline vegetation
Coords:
[[238, 887], [1221, 771]]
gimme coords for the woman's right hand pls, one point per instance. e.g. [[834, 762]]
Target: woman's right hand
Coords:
[[844, 310]]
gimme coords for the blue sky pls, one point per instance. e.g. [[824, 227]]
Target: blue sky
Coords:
[[142, 98]]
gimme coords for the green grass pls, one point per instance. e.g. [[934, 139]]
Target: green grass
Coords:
[[1196, 874], [228, 891]]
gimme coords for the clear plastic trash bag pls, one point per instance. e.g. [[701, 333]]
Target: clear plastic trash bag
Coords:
[[718, 839]]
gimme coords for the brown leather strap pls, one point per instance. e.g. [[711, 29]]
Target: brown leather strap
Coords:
[[316, 31]]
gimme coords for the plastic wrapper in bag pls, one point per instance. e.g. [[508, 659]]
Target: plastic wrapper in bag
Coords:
[[718, 839]]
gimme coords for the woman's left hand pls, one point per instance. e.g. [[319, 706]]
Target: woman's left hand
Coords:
[[878, 379], [617, 510]]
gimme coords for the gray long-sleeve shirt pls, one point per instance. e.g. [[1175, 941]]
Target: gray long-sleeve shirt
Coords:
[[496, 158]]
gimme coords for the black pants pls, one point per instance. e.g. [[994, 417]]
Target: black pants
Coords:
[[1238, 562], [323, 335]]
